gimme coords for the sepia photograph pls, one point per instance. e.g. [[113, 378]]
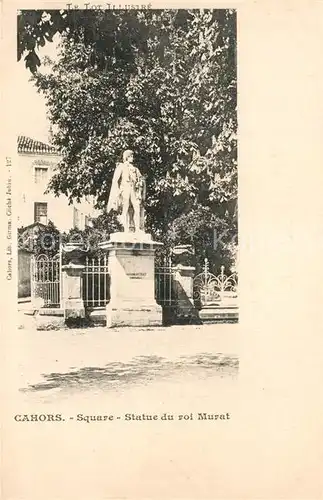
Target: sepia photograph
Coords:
[[127, 202], [162, 254]]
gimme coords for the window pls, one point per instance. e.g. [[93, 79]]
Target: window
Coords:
[[40, 213], [41, 174]]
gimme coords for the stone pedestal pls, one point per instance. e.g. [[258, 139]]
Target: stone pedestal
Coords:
[[132, 280], [73, 304]]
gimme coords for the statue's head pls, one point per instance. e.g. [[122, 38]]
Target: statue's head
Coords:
[[128, 156]]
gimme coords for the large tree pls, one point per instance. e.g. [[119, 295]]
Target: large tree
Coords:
[[162, 83]]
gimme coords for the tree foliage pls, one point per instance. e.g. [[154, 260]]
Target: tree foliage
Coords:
[[40, 239], [162, 83], [90, 237]]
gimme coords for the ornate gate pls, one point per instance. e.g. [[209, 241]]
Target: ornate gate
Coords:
[[216, 290], [46, 280]]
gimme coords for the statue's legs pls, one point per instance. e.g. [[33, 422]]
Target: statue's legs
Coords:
[[142, 217], [125, 212], [136, 213], [137, 217]]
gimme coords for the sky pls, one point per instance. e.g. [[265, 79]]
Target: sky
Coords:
[[31, 119]]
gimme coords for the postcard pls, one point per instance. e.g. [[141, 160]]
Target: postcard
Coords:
[[162, 247]]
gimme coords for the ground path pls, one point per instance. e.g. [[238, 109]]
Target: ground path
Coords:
[[96, 371]]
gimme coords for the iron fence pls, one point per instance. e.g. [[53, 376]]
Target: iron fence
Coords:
[[165, 293], [96, 282], [208, 288], [46, 280]]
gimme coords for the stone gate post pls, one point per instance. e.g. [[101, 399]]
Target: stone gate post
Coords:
[[73, 304], [72, 276], [183, 281], [184, 271]]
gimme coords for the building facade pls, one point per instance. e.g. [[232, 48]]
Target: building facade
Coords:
[[36, 164]]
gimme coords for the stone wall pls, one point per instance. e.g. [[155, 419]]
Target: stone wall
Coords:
[[24, 284]]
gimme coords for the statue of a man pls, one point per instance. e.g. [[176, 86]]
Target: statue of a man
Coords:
[[127, 194]]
